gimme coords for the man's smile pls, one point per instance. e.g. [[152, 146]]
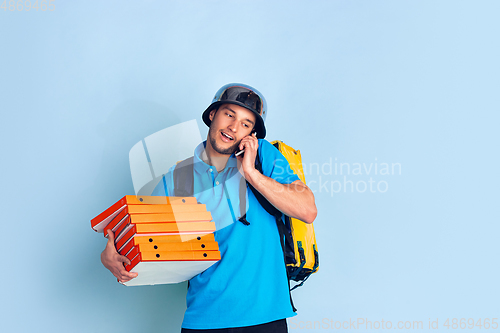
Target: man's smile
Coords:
[[226, 137]]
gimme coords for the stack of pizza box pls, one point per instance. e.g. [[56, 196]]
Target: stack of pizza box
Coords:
[[166, 239]]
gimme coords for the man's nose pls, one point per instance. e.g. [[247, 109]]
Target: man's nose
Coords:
[[233, 126]]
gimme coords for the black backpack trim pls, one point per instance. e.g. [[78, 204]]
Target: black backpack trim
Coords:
[[183, 178]]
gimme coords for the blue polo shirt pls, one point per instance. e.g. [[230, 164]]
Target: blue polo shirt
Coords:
[[248, 286]]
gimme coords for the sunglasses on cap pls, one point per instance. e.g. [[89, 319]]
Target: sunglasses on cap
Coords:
[[241, 95]]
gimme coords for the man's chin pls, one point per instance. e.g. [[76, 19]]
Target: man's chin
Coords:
[[224, 151], [227, 151]]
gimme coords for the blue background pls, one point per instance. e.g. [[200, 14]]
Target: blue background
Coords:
[[409, 82]]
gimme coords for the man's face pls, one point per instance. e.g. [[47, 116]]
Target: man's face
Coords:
[[230, 123]]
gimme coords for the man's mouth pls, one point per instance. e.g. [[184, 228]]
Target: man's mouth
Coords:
[[226, 137]]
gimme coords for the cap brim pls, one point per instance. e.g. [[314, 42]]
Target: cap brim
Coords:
[[260, 129]]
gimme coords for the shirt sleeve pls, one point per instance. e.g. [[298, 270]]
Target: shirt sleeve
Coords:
[[274, 164]]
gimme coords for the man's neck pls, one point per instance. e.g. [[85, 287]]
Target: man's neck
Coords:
[[213, 158]]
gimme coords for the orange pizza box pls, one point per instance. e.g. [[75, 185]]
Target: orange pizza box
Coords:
[[138, 219], [184, 246], [118, 225], [152, 229], [163, 267], [99, 222], [156, 239]]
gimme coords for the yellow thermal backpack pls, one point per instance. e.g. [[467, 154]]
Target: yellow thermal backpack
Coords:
[[301, 251]]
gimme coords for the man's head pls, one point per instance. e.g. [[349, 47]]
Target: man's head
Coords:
[[229, 123], [244, 96]]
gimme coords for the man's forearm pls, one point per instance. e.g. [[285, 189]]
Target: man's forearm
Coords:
[[295, 199]]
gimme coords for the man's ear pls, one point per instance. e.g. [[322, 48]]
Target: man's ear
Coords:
[[212, 114]]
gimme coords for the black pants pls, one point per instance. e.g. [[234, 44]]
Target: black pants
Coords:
[[278, 326]]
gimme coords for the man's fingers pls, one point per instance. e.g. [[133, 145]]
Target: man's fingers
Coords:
[[132, 275], [128, 277], [125, 276], [249, 141], [111, 241], [121, 273], [111, 236], [124, 260]]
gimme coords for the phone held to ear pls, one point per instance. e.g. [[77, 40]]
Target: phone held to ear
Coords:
[[240, 152]]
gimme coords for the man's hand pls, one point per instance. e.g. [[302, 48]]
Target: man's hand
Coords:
[[113, 261], [250, 144], [295, 199]]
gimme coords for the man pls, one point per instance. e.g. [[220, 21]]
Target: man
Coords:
[[247, 290]]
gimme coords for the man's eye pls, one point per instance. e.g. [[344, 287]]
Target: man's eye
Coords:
[[246, 125], [229, 115]]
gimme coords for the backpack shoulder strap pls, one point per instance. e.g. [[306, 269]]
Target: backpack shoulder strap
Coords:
[[285, 237], [260, 198], [183, 178]]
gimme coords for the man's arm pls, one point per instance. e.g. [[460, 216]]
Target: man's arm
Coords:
[[295, 199]]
